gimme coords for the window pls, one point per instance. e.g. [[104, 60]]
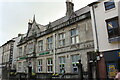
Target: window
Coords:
[[19, 67], [113, 27], [109, 5], [20, 51], [24, 66], [75, 61], [49, 65], [62, 64], [25, 50], [49, 42], [74, 36], [30, 48], [61, 39], [40, 45], [40, 65]]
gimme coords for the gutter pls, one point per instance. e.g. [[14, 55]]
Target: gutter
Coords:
[[94, 22]]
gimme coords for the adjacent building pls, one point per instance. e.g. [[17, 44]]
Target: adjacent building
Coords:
[[105, 16], [7, 58]]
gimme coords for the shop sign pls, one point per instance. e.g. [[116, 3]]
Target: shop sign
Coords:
[[111, 70], [43, 53], [119, 54]]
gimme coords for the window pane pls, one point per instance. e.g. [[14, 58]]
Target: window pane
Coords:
[[73, 40], [49, 43], [77, 58], [73, 32], [64, 42], [73, 59], [113, 27], [61, 39], [63, 59], [20, 51], [63, 35], [51, 68], [77, 39], [60, 60], [40, 44]]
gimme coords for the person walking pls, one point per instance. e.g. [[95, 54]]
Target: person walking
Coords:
[[117, 77]]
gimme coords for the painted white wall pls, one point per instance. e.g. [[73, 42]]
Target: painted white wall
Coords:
[[119, 11], [101, 15]]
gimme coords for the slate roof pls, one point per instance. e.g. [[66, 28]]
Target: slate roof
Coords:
[[65, 18]]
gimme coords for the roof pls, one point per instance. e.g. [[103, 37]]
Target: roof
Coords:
[[12, 40], [65, 18]]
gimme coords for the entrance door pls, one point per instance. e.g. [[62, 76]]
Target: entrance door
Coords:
[[29, 72]]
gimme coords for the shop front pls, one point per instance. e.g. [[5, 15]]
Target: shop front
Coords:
[[109, 64]]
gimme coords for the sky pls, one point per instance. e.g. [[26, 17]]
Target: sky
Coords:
[[15, 14]]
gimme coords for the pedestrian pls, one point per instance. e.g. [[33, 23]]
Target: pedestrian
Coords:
[[117, 77], [63, 72]]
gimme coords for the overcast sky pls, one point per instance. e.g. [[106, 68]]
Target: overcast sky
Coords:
[[15, 14]]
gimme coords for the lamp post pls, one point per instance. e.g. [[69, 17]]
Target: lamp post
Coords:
[[29, 70], [80, 70]]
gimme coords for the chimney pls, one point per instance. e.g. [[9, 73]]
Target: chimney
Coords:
[[20, 34], [70, 7]]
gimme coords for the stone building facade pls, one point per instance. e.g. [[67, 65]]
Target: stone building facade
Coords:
[[57, 47]]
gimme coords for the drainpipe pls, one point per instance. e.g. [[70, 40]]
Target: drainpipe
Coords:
[[95, 33], [95, 27], [54, 52]]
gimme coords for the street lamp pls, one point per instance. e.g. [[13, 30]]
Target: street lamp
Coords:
[[80, 70]]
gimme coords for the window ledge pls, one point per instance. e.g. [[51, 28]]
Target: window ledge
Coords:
[[109, 10], [114, 39]]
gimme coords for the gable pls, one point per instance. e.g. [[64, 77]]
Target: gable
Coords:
[[33, 29]]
